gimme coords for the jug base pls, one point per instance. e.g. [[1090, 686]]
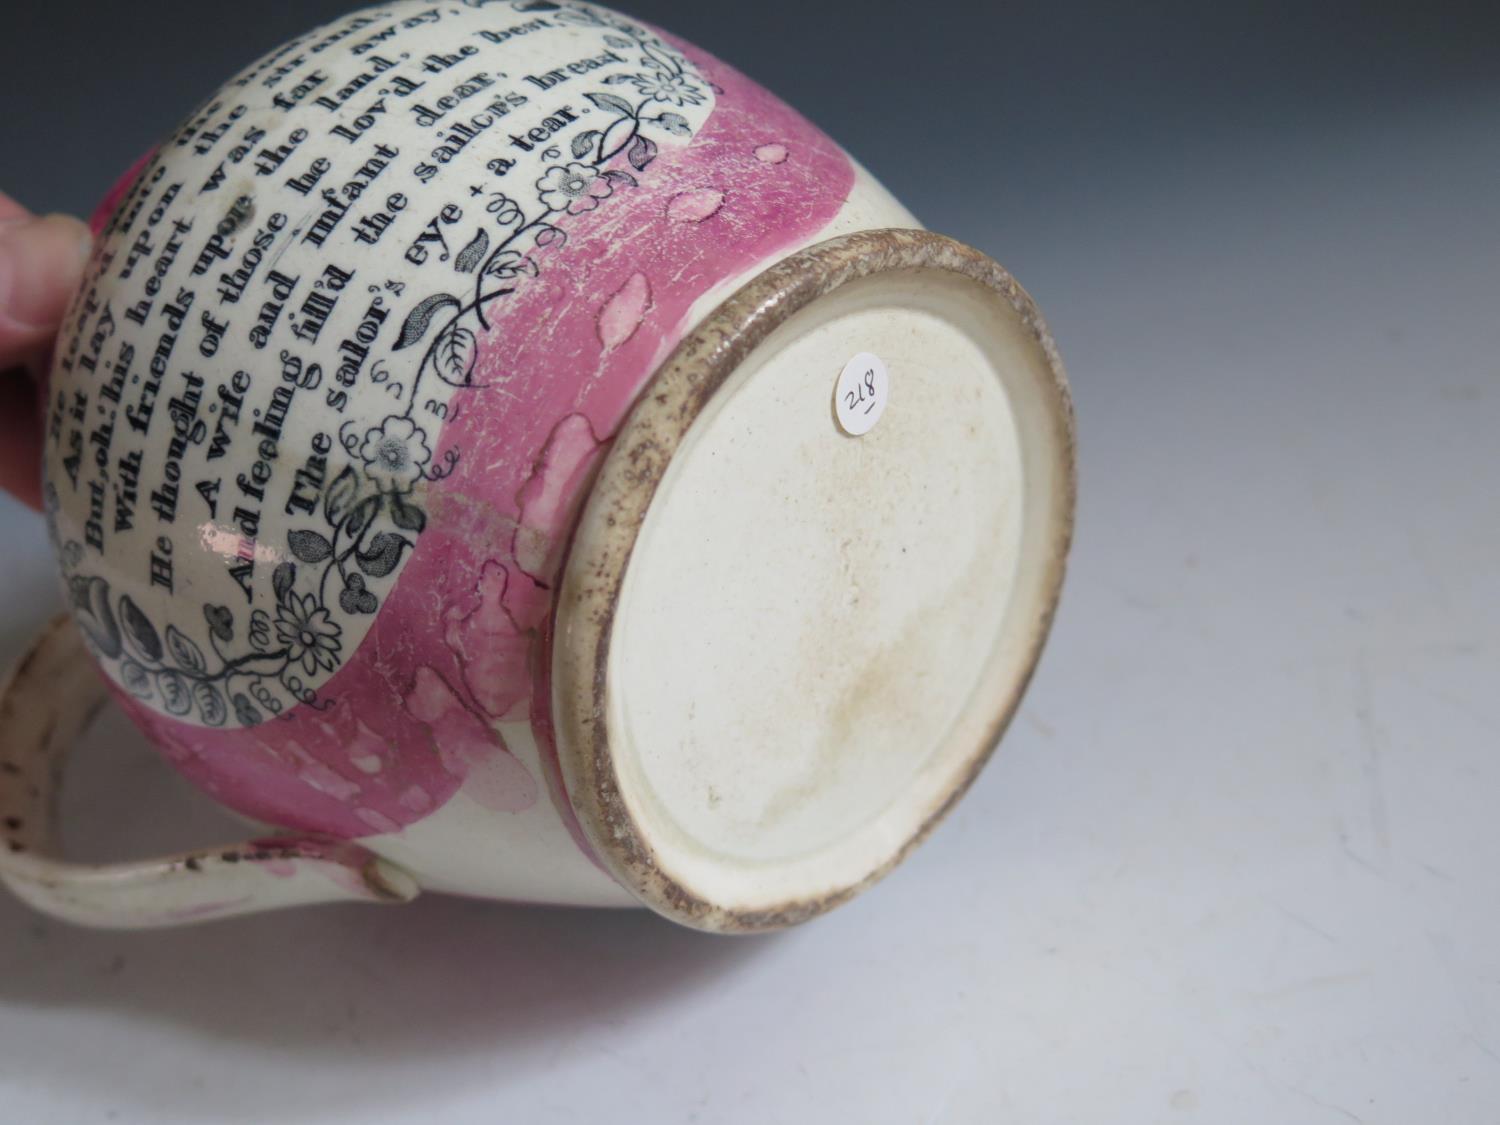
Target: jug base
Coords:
[[813, 578]]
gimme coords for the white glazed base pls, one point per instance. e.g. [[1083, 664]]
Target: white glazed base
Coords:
[[807, 614], [815, 638]]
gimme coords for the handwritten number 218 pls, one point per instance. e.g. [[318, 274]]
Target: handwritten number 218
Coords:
[[863, 392]]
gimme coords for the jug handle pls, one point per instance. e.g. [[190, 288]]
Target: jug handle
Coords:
[[47, 701]]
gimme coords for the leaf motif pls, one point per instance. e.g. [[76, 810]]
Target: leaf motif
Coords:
[[174, 692], [420, 319], [611, 102], [510, 265], [210, 704], [472, 254], [383, 555], [308, 546], [405, 515], [642, 151], [657, 58], [362, 516], [185, 652], [674, 123], [456, 351], [616, 176], [245, 712], [135, 678], [583, 141], [618, 79], [355, 598], [617, 136], [139, 631], [619, 42], [340, 495], [220, 621], [282, 578], [91, 609]]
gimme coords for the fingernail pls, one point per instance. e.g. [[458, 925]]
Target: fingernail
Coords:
[[41, 260]]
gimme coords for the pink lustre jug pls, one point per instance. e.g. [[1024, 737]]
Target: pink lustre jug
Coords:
[[499, 449]]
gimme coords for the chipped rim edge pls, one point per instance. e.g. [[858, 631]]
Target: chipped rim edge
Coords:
[[624, 489]]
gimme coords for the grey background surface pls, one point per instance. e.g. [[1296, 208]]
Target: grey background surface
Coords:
[[1237, 859], [997, 122]]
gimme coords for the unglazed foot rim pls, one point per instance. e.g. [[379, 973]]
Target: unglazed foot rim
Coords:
[[628, 482]]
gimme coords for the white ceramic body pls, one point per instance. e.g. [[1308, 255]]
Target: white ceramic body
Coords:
[[445, 464]]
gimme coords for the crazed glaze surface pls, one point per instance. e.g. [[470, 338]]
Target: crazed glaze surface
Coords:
[[472, 361]]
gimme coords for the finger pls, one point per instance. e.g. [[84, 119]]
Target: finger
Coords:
[[20, 439], [10, 209], [41, 262]]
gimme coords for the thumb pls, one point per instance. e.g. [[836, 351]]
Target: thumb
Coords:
[[41, 262]]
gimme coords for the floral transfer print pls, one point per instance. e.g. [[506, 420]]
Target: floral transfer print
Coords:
[[575, 188], [308, 631], [395, 452], [673, 89], [539, 355], [308, 579]]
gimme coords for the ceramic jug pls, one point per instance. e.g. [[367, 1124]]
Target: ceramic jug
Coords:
[[499, 449]]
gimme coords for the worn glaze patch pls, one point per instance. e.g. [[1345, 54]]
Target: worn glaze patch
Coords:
[[247, 416], [595, 295]]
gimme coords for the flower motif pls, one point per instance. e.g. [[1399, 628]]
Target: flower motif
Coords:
[[574, 188], [395, 451], [674, 89], [309, 633]]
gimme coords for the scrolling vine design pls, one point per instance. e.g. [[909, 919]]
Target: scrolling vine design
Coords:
[[571, 187], [371, 513]]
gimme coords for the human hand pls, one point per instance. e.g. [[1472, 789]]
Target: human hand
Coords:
[[41, 261]]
